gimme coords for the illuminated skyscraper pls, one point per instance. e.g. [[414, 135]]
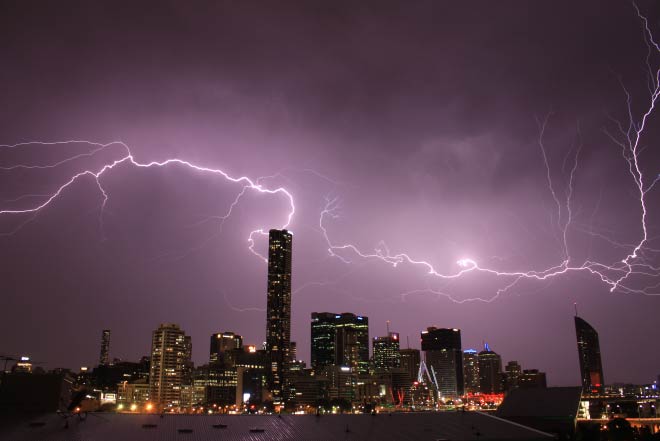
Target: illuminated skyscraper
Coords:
[[386, 352], [490, 371], [340, 340], [442, 351], [278, 311], [591, 367], [170, 368], [471, 371], [104, 358], [323, 334]]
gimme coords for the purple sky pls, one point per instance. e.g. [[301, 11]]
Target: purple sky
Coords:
[[419, 119]]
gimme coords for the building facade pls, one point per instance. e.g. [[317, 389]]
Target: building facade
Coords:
[[104, 357], [490, 371], [222, 345], [278, 311], [340, 340], [532, 378], [471, 371], [443, 353], [170, 365], [591, 366], [410, 359], [512, 373], [386, 352]]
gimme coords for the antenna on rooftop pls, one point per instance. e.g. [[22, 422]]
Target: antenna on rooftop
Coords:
[[388, 327], [575, 304], [408, 341]]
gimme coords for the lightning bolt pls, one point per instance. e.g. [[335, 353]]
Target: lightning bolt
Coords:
[[128, 158], [615, 275]]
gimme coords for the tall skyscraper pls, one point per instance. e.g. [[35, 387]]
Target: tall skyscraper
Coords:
[[471, 371], [490, 371], [442, 351], [386, 352], [104, 358], [278, 311], [340, 340], [591, 367], [222, 344], [170, 368]]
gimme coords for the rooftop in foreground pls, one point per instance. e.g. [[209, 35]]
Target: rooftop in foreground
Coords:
[[432, 426]]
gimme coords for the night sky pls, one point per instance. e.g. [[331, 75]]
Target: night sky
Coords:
[[403, 127]]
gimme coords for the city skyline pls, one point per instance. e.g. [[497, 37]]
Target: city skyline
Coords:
[[435, 168]]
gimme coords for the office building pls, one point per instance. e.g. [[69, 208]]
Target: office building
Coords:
[[443, 353], [410, 359], [512, 373], [170, 365], [532, 378], [293, 351], [591, 366], [104, 358], [223, 347], [386, 352], [471, 371], [490, 371], [340, 340], [278, 311]]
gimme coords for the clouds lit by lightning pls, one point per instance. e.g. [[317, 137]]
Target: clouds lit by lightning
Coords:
[[128, 158], [633, 272], [614, 275]]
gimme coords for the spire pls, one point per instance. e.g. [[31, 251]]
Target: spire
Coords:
[[575, 305]]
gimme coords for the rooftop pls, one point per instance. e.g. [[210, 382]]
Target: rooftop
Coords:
[[431, 426]]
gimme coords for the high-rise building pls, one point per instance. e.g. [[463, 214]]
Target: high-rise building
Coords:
[[104, 358], [410, 359], [340, 340], [512, 373], [386, 352], [323, 334], [591, 367], [490, 371], [223, 343], [293, 351], [404, 377], [170, 365], [443, 353], [471, 371], [278, 311]]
